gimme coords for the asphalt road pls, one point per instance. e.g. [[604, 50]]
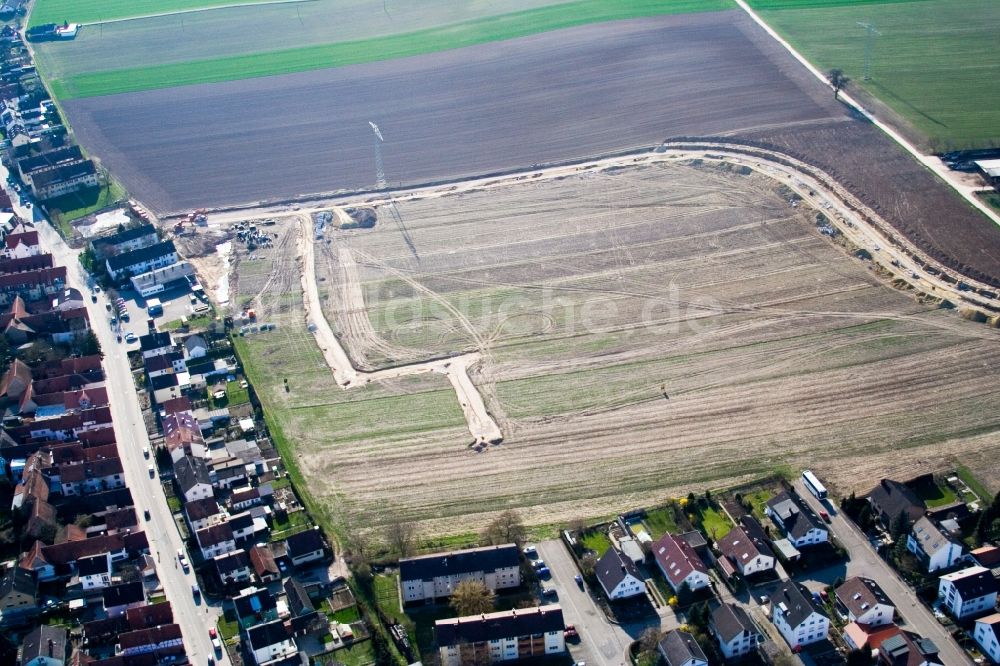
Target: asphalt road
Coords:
[[866, 562], [164, 540], [560, 95]]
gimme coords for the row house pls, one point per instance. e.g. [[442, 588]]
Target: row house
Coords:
[[135, 238], [431, 577], [64, 179], [182, 436], [31, 285], [91, 477], [141, 260], [502, 636], [164, 640], [216, 540], [233, 567]]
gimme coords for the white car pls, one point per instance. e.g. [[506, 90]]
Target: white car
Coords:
[[130, 338], [145, 452], [152, 471]]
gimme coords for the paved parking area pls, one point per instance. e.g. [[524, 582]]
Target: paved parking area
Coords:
[[176, 303]]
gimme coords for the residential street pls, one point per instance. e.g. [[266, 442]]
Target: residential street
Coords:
[[866, 562], [164, 540]]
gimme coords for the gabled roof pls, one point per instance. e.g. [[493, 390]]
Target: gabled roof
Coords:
[[859, 595], [125, 593], [503, 624], [308, 542], [200, 509], [149, 636], [152, 341], [127, 235], [987, 556], [263, 561], [795, 602], [269, 633], [126, 259], [740, 547], [929, 536], [181, 429], [152, 615], [428, 567], [17, 580], [213, 535], [190, 472], [230, 562], [992, 623], [892, 498], [908, 649], [973, 582], [62, 173], [298, 598], [677, 559], [179, 404], [797, 518], [194, 341], [613, 568], [46, 642], [161, 361], [730, 621], [679, 648]]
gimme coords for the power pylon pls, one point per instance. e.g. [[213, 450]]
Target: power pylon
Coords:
[[870, 34]]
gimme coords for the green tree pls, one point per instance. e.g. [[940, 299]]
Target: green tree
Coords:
[[89, 345], [859, 658], [472, 597], [699, 616], [684, 594], [838, 80]]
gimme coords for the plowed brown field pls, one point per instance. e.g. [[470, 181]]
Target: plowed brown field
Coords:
[[645, 331]]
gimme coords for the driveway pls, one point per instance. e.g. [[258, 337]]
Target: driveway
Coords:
[[866, 562], [600, 641]]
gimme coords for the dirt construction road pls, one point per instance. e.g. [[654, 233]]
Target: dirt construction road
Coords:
[[482, 426]]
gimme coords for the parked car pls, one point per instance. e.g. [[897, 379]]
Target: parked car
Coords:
[[182, 558], [550, 592], [151, 470], [538, 564], [195, 592], [145, 452], [130, 338], [824, 515], [214, 635], [543, 572], [579, 580], [93, 297], [530, 551], [145, 514], [570, 631]]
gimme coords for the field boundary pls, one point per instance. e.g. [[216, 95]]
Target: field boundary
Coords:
[[930, 162], [195, 10]]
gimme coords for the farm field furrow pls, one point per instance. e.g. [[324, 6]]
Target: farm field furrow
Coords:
[[766, 345]]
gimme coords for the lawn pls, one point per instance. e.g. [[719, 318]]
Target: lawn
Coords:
[[935, 494], [228, 629], [932, 63], [74, 11], [347, 615], [713, 523], [974, 484], [361, 654], [597, 541], [388, 47], [660, 521], [236, 395], [80, 204], [758, 499], [991, 198]]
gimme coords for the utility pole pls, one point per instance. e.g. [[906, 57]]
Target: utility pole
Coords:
[[380, 183], [870, 34]]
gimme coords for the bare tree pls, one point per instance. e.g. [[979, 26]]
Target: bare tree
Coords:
[[472, 597], [588, 564], [506, 528], [400, 535], [838, 80]]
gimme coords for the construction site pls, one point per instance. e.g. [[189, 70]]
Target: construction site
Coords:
[[509, 342]]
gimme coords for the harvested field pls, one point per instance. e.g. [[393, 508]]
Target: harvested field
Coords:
[[628, 319], [906, 194], [497, 106]]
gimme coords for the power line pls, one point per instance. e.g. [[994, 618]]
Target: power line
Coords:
[[870, 34]]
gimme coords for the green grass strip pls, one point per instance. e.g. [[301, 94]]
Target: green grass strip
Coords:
[[819, 4], [469, 33], [75, 11]]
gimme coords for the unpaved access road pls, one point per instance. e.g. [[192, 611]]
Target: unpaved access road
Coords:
[[482, 426]]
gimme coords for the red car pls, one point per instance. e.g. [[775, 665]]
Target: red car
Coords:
[[215, 639], [570, 631], [824, 515]]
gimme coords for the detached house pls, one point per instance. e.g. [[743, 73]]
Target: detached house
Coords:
[[968, 592], [796, 616], [750, 556], [521, 633], [987, 635], [679, 648], [891, 498], [735, 632], [861, 600], [270, 641], [203, 512], [618, 575], [799, 523], [193, 478], [431, 577], [933, 548], [306, 547], [233, 567], [679, 563], [907, 649]]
